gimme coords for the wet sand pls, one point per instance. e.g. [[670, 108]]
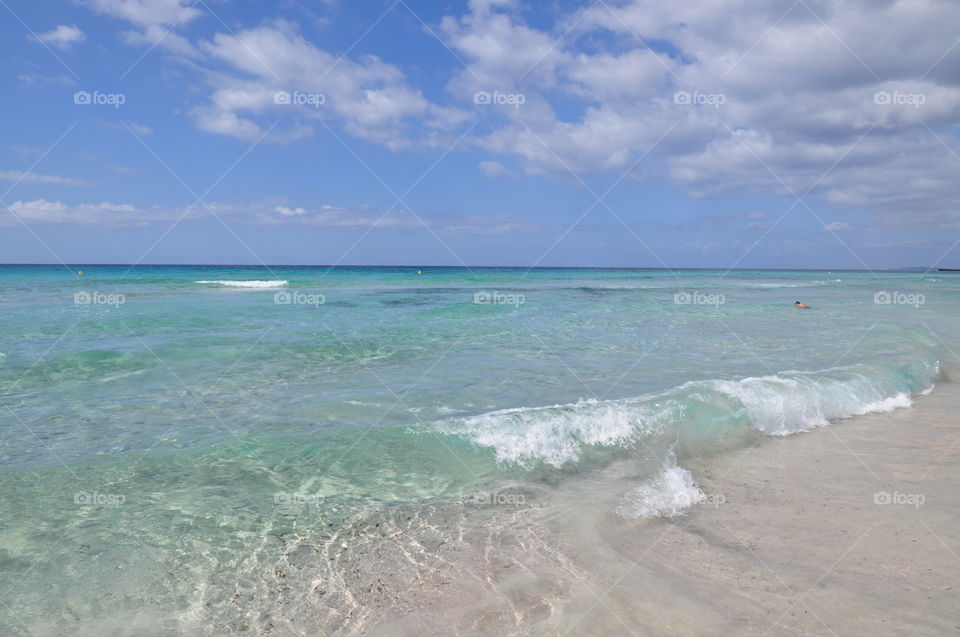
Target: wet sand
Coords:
[[847, 529]]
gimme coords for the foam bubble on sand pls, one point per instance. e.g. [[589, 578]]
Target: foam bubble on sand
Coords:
[[247, 284], [669, 494]]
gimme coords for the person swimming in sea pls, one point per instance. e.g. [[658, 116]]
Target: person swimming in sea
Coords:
[[799, 304]]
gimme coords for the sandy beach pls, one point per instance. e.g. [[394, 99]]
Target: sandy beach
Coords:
[[848, 529]]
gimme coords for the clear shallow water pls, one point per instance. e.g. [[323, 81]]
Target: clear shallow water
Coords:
[[171, 434]]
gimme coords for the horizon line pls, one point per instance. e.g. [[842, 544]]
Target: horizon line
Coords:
[[467, 267]]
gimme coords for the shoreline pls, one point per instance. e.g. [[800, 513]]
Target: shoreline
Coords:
[[845, 529]]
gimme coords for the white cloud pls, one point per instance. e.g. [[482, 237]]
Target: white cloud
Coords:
[[106, 214], [491, 225], [844, 99], [44, 211], [636, 74], [148, 12], [371, 98], [796, 91], [139, 129], [62, 36], [502, 51], [837, 226], [495, 169], [25, 176], [161, 36], [32, 78], [333, 217], [156, 20], [26, 151]]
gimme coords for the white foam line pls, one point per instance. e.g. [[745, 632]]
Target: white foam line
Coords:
[[247, 284]]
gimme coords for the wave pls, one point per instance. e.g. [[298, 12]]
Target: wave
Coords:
[[808, 284], [696, 417], [247, 284]]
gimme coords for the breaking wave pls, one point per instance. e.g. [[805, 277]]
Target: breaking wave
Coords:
[[247, 284], [699, 415]]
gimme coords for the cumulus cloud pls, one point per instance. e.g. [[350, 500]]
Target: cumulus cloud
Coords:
[[371, 98], [768, 96], [147, 12], [156, 21], [854, 102], [62, 36]]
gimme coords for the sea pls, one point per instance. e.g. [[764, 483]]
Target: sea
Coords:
[[212, 450]]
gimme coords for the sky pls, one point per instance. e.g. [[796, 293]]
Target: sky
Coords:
[[626, 133]]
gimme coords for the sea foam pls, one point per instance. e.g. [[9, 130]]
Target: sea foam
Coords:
[[247, 284], [701, 413], [667, 495]]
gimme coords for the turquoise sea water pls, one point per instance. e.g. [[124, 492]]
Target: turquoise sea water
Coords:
[[170, 432]]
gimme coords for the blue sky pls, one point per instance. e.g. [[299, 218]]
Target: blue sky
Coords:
[[491, 132]]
